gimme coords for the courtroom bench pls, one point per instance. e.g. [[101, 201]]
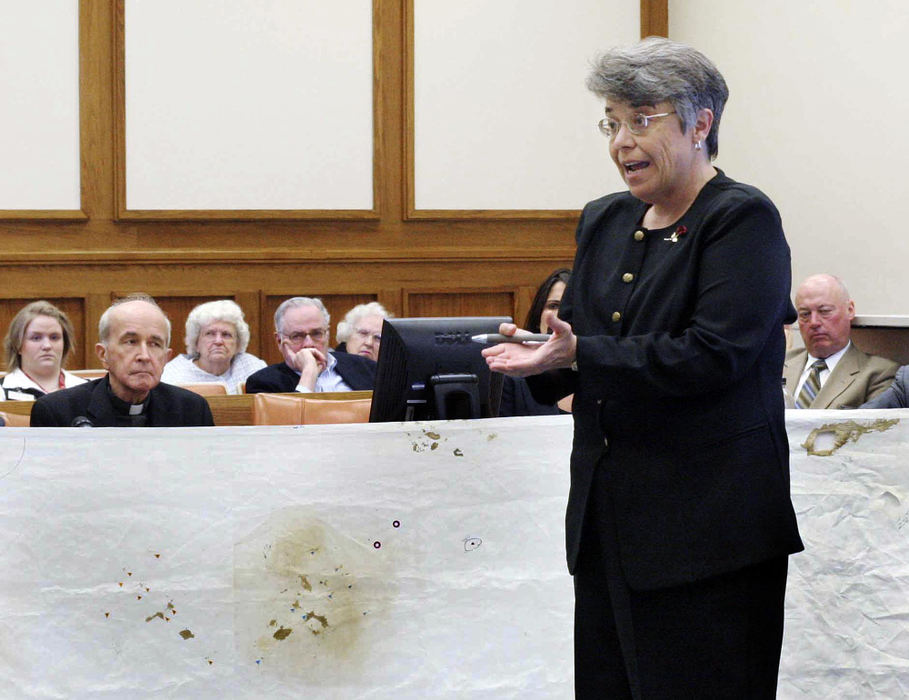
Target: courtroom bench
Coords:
[[231, 409]]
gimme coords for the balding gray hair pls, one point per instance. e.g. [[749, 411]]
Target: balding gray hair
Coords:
[[659, 70], [104, 323], [293, 303]]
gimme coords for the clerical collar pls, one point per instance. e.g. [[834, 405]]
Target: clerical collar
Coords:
[[125, 408]]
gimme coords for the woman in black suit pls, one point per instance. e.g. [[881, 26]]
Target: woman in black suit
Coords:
[[679, 521]]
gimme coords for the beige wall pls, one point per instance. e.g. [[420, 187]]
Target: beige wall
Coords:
[[817, 118]]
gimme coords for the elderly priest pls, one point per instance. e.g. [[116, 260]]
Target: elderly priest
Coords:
[[134, 346]]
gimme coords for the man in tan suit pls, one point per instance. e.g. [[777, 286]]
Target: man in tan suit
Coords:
[[830, 372]]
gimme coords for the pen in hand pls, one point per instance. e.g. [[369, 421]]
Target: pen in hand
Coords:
[[493, 338]]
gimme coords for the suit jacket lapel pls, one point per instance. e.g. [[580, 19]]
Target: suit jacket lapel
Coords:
[[792, 370], [842, 376]]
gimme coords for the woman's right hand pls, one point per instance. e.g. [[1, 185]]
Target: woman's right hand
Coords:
[[521, 360]]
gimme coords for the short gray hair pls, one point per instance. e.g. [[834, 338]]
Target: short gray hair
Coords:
[[104, 323], [224, 310], [293, 303], [659, 70], [353, 317]]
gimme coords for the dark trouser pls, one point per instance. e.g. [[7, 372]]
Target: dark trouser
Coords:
[[715, 638]]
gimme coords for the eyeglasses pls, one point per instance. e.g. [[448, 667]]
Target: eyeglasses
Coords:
[[365, 335], [637, 125], [299, 337]]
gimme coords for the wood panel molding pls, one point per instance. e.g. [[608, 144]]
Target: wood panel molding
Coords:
[[42, 215], [654, 18], [292, 256]]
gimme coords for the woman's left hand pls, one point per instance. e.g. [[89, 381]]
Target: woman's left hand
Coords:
[[520, 360]]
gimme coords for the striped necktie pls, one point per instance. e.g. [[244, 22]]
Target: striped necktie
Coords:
[[812, 385]]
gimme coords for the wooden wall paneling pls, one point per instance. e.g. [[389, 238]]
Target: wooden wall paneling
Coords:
[[339, 304], [96, 108], [95, 305], [269, 349], [42, 215], [391, 300], [463, 302], [359, 260], [523, 299], [74, 308], [250, 215], [654, 18], [249, 302], [60, 259]]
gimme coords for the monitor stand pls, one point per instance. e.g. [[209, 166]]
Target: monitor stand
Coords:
[[456, 396]]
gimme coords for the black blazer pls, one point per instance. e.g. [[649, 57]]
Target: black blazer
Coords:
[[518, 401], [359, 373], [170, 406], [678, 393]]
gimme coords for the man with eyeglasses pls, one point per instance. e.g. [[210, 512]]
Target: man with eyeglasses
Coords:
[[830, 371], [302, 334]]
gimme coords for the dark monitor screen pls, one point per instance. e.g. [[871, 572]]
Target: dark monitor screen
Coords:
[[429, 368]]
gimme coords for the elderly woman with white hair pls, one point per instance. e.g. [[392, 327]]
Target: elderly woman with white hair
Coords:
[[361, 330], [216, 340]]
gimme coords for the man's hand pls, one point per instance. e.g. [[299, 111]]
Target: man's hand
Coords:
[[309, 362], [520, 360]]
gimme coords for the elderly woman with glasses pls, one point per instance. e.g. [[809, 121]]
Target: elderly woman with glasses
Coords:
[[360, 333], [679, 521], [216, 340]]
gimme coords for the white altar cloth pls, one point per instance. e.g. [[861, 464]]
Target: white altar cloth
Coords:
[[385, 561]]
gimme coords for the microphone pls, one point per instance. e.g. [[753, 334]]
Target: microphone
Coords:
[[81, 422]]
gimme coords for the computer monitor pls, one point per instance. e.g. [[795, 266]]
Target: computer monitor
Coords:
[[429, 368]]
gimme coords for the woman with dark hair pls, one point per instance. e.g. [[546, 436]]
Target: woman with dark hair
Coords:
[[516, 397], [546, 301], [679, 521], [37, 343]]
